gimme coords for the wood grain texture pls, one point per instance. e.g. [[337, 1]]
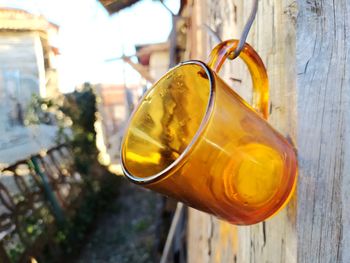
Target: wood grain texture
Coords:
[[323, 131], [273, 36], [307, 58]]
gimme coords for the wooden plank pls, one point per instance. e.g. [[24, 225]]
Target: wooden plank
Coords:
[[307, 60], [323, 131], [172, 231], [273, 36], [18, 54]]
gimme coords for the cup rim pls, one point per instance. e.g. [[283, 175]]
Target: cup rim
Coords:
[[208, 112]]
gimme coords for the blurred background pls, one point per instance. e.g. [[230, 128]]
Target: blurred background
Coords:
[[50, 48], [71, 72]]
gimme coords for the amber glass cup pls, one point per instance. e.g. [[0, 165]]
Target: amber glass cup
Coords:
[[194, 139]]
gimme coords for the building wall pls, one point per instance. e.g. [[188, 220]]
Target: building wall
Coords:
[[26, 68], [159, 63], [114, 104], [22, 74]]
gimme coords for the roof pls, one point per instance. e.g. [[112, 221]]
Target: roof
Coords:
[[20, 20], [114, 6], [145, 51]]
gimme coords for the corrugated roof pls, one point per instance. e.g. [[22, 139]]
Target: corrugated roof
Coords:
[[114, 6], [16, 19]]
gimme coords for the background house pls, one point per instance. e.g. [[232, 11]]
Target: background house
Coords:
[[27, 68], [115, 103], [155, 57]]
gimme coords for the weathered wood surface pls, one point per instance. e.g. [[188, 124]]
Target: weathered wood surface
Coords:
[[323, 131], [304, 46], [273, 36]]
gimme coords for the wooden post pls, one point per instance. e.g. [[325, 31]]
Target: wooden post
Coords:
[[305, 46], [323, 50]]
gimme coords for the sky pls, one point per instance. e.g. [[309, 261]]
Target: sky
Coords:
[[88, 36]]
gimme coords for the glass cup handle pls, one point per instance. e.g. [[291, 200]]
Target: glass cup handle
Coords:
[[256, 68]]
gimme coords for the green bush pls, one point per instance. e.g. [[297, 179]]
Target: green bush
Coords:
[[100, 186]]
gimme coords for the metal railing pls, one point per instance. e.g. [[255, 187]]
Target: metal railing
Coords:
[[35, 196]]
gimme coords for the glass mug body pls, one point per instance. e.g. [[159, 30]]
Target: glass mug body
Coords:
[[194, 139]]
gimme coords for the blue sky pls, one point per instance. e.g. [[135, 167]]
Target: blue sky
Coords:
[[88, 36]]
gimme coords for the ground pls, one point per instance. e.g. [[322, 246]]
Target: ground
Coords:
[[127, 231]]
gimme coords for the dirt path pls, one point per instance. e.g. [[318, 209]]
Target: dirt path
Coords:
[[126, 232]]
